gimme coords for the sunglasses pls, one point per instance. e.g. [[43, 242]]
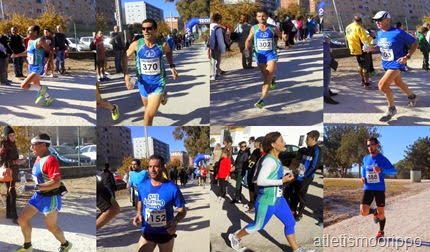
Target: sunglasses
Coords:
[[243, 146], [371, 145], [147, 28]]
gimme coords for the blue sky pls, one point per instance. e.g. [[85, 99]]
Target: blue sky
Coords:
[[162, 133], [396, 139], [166, 7]]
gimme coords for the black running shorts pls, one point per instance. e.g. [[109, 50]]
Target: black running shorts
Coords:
[[368, 196], [104, 199], [363, 62], [158, 238]]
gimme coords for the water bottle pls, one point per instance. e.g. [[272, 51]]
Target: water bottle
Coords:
[[246, 53], [133, 80], [23, 180], [366, 46], [301, 170]]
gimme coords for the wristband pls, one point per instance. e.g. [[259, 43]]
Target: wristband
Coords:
[[408, 56], [172, 65]]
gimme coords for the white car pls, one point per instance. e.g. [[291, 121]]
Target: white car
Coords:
[[86, 40], [106, 42], [90, 151], [77, 46]]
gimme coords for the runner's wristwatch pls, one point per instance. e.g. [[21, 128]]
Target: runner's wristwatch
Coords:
[[172, 65], [408, 56]]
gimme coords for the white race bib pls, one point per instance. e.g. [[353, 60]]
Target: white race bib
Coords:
[[372, 177], [387, 54], [35, 179], [156, 218], [264, 44], [30, 58], [150, 66]]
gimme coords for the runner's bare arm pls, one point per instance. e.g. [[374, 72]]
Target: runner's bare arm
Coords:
[[138, 218], [171, 226], [249, 39], [278, 33], [131, 50], [411, 51], [42, 43], [23, 54], [51, 184], [169, 57]]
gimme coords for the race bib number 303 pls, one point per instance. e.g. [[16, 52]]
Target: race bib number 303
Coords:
[[372, 177], [264, 44], [150, 66], [156, 218], [387, 54]]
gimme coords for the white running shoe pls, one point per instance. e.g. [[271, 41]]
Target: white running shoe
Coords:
[[234, 242]]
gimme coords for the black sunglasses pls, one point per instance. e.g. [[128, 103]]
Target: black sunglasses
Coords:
[[243, 146], [147, 28], [371, 145]]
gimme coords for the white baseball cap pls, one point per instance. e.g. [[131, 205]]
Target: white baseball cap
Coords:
[[381, 15]]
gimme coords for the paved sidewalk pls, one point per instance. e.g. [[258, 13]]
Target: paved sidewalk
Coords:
[[228, 218], [193, 231], [297, 100], [74, 105]]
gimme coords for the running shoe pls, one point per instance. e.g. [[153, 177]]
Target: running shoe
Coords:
[[22, 249], [65, 249], [41, 94], [375, 217], [300, 249], [380, 234], [164, 98], [50, 76], [412, 102], [234, 242], [48, 102], [273, 83], [250, 211], [259, 104], [115, 112], [368, 87], [388, 115]]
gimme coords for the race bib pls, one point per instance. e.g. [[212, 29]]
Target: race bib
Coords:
[[156, 218], [31, 59], [372, 177], [387, 54], [264, 44], [279, 192], [150, 66]]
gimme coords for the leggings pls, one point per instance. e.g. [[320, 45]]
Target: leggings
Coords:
[[263, 213]]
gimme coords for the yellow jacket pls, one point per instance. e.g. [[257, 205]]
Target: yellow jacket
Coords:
[[356, 36]]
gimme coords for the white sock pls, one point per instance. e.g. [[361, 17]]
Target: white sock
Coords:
[[35, 88]]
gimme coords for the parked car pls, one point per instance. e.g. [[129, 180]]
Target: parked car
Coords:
[[66, 155], [337, 39], [77, 46], [106, 43], [87, 41], [289, 154], [90, 151]]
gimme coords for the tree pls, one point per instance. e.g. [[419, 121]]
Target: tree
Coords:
[[101, 22], [196, 139], [346, 145], [51, 18], [126, 163], [20, 21], [426, 20], [174, 163], [22, 139], [231, 12], [418, 156], [163, 28], [188, 9], [292, 9], [403, 168]]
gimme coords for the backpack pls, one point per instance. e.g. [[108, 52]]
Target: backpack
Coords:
[[93, 45], [213, 42], [258, 169]]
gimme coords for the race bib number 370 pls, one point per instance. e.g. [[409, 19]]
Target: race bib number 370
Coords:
[[264, 44], [150, 66], [156, 218], [30, 58]]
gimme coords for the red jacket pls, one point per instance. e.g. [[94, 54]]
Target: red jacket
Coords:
[[224, 168]]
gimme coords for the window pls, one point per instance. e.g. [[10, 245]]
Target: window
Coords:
[[39, 1], [39, 11], [301, 140]]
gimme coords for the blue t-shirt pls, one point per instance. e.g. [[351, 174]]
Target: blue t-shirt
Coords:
[[157, 205], [375, 181], [136, 177], [393, 44]]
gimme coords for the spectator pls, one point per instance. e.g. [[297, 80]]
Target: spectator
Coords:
[[61, 45], [16, 46], [117, 43]]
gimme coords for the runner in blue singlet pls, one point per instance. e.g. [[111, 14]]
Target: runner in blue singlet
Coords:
[[36, 60], [157, 197], [150, 71], [265, 54]]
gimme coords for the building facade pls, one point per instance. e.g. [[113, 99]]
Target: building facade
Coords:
[[81, 12], [106, 8], [182, 156], [155, 146], [113, 144], [175, 23], [269, 5], [405, 11], [136, 12]]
